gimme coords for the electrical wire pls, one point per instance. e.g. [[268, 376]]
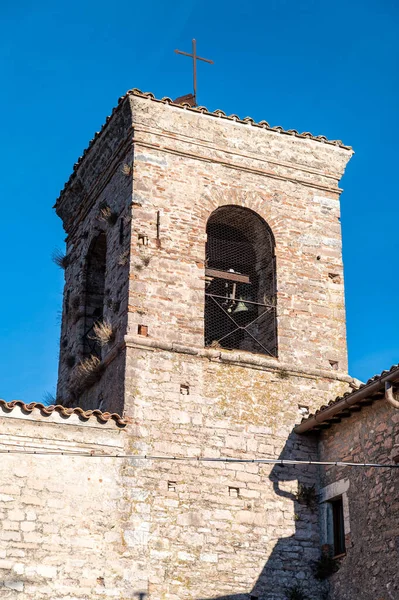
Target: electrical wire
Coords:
[[201, 459]]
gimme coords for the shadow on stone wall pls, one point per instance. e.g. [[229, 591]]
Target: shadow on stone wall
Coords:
[[291, 562]]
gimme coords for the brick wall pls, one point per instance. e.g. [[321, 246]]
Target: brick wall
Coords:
[[187, 165]]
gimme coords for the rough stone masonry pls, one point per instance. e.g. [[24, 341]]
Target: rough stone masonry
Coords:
[[182, 530], [370, 567]]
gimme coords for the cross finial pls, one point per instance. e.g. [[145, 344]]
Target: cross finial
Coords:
[[192, 98]]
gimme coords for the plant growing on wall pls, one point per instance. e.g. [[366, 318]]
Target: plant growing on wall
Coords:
[[283, 374], [60, 259], [70, 360], [295, 592], [103, 333], [49, 399], [307, 495], [325, 566], [145, 261], [86, 373], [107, 215]]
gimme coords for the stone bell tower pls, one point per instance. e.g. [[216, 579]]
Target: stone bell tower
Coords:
[[204, 300]]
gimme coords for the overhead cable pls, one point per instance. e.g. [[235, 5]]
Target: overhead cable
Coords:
[[203, 459]]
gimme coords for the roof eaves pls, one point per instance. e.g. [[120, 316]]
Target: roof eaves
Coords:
[[202, 110], [363, 395], [102, 417]]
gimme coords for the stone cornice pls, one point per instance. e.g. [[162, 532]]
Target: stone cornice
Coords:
[[238, 167], [206, 145], [232, 357]]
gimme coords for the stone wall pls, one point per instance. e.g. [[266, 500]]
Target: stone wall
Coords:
[[181, 166], [83, 527], [186, 166], [60, 515], [97, 202], [204, 543], [222, 530], [370, 568], [215, 529]]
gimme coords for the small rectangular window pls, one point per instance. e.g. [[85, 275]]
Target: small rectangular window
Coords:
[[142, 330], [338, 526]]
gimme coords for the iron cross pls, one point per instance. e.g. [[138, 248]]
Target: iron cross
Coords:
[[195, 58]]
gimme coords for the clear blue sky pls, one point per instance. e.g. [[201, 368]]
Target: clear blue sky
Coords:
[[326, 67]]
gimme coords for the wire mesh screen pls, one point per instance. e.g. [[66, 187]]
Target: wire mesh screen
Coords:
[[240, 294]]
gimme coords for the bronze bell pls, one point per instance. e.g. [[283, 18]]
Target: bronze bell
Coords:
[[242, 307]]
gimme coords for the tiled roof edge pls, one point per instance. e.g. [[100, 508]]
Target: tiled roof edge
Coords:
[[202, 110], [102, 417], [347, 395]]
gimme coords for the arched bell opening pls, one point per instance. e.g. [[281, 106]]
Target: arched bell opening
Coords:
[[95, 291], [240, 294]]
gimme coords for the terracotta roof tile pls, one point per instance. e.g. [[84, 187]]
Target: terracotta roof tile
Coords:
[[102, 417], [203, 110]]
